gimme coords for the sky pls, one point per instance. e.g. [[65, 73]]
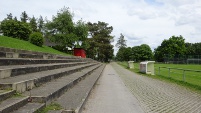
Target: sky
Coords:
[[140, 21]]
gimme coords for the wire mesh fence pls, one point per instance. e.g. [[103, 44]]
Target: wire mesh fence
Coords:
[[182, 59]]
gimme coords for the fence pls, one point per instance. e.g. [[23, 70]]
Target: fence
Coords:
[[185, 75], [183, 59]]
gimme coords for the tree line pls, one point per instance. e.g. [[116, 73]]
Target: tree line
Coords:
[[65, 34], [172, 48], [176, 46], [136, 53]]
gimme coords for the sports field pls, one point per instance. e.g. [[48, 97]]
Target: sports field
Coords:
[[181, 72]]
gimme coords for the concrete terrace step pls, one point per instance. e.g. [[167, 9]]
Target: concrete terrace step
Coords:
[[15, 70], [74, 99], [12, 104], [30, 108], [27, 61], [16, 53], [4, 94], [54, 89], [29, 81]]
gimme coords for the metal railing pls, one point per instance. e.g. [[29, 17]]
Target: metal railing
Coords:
[[181, 69]]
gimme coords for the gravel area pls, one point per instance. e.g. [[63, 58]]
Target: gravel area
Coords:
[[157, 96]]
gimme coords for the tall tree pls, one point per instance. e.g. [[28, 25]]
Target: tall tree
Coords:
[[145, 52], [81, 31], [121, 42], [24, 17], [33, 24], [40, 24], [100, 34], [61, 29], [175, 45], [9, 16], [124, 54]]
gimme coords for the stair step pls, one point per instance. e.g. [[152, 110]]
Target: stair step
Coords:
[[4, 94], [51, 90], [30, 108], [26, 61], [75, 97], [31, 80], [15, 70], [12, 104]]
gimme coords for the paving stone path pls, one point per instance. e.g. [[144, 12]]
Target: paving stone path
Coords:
[[157, 96]]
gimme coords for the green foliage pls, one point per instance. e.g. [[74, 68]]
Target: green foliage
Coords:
[[41, 25], [9, 16], [100, 41], [15, 29], [175, 45], [33, 24], [81, 31], [121, 41], [52, 106], [124, 54], [61, 29], [136, 53], [145, 52], [36, 38], [25, 45], [193, 48], [24, 17]]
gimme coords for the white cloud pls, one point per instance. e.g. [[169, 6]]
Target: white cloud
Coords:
[[141, 21]]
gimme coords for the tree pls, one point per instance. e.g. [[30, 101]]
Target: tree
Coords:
[[81, 31], [120, 54], [33, 24], [24, 17], [124, 54], [175, 45], [121, 41], [193, 48], [136, 51], [145, 52], [40, 24], [100, 42], [15, 29], [61, 29], [9, 16]]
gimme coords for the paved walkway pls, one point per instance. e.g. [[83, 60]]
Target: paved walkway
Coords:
[[157, 96], [154, 96], [111, 95]]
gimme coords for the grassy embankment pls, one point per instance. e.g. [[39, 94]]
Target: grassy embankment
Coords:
[[25, 45], [192, 79]]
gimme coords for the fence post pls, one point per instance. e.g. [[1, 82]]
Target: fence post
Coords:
[[169, 72], [159, 71], [184, 77]]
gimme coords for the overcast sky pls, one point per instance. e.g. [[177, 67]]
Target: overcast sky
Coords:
[[140, 21]]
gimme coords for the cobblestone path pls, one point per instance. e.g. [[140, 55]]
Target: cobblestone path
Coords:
[[157, 96]]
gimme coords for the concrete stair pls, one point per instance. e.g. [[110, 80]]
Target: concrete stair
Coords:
[[29, 81]]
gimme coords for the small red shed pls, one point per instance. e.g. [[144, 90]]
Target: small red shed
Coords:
[[79, 52]]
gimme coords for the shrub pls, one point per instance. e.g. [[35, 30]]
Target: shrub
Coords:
[[36, 38], [15, 29]]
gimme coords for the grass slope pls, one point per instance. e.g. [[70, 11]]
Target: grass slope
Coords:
[[25, 45]]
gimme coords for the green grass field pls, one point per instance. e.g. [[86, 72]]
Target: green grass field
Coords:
[[25, 45], [191, 78]]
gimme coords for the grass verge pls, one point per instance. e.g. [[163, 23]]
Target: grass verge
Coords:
[[163, 77], [25, 45]]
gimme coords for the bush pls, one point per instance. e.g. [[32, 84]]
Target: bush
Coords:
[[36, 38], [15, 29]]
